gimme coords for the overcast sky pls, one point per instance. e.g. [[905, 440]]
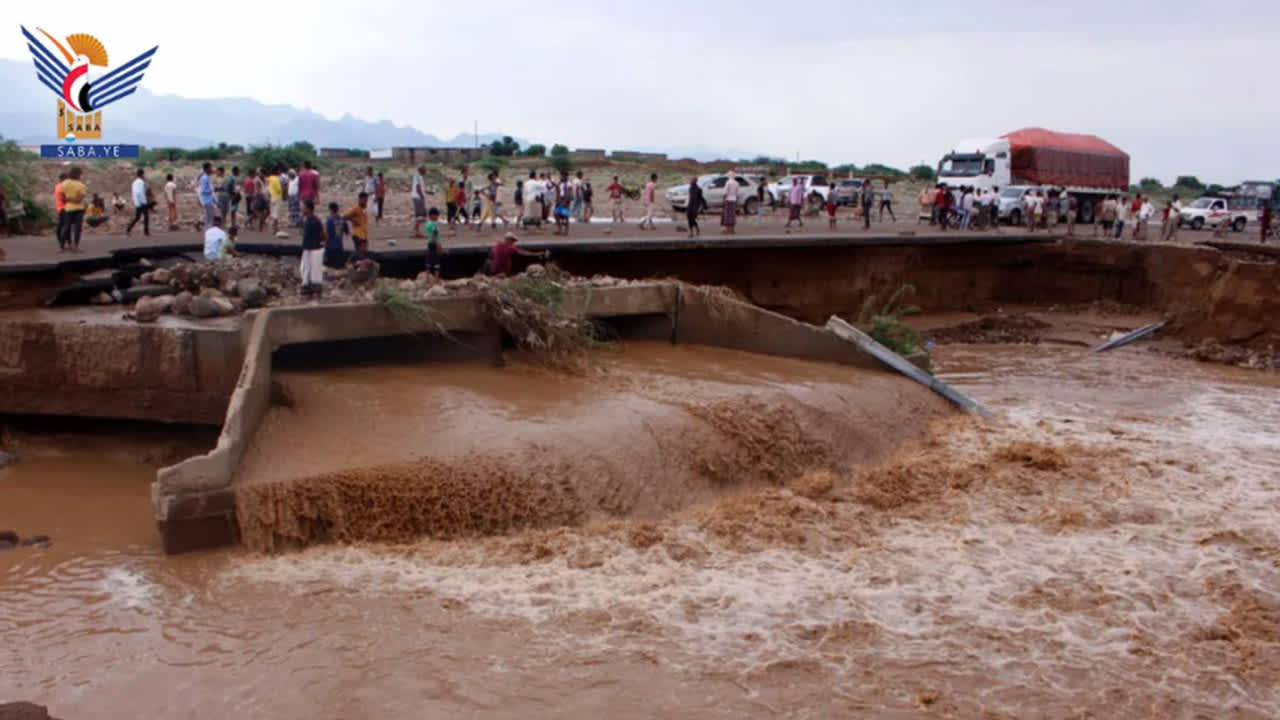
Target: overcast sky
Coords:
[[1183, 86]]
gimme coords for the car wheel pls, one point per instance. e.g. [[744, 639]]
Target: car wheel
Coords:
[[750, 206], [1015, 218], [1238, 225], [1197, 224], [815, 200]]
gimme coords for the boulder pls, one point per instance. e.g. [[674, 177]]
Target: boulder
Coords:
[[146, 311], [146, 278], [101, 299], [211, 293], [202, 306], [182, 303], [250, 290], [437, 291], [161, 276], [535, 270], [224, 305], [229, 286], [407, 285]]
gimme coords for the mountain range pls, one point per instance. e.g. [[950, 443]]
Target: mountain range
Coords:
[[173, 121]]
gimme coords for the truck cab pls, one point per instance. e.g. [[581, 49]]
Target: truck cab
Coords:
[[980, 163]]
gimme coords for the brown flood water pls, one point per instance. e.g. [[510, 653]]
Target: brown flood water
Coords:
[[1108, 548]]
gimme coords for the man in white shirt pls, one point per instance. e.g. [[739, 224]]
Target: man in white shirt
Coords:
[[1144, 219], [418, 193], [213, 238], [1173, 215], [966, 204], [141, 206]]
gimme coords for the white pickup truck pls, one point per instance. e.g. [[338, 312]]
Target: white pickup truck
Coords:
[[1235, 210], [816, 188]]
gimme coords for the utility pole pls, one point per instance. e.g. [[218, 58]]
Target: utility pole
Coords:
[[476, 132]]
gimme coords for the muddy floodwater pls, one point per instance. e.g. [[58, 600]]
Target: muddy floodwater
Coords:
[[1107, 548]]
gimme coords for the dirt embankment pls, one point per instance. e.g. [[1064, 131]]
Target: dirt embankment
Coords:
[[1208, 294]]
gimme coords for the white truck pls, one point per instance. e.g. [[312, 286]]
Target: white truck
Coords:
[[1088, 167]]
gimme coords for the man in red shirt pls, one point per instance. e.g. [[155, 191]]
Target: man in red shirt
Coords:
[[502, 253], [309, 184], [942, 201], [615, 200]]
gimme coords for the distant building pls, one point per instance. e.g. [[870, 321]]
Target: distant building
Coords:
[[632, 156], [336, 153], [383, 154], [416, 155], [588, 155]]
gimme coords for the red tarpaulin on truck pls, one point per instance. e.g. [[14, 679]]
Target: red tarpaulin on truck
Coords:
[[1044, 157]]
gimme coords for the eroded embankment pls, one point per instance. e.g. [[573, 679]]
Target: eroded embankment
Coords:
[[1226, 297], [396, 453]]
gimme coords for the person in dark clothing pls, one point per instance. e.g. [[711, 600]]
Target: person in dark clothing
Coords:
[[313, 242], [868, 199], [694, 207]]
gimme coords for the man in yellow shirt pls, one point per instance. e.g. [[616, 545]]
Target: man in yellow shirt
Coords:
[[276, 190], [358, 220], [73, 197]]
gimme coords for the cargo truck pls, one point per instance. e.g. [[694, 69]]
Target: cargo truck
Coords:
[[1088, 167]]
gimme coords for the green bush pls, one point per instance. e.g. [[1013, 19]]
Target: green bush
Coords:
[[559, 149], [561, 162], [535, 150], [506, 147], [278, 158], [886, 326], [922, 172], [19, 184]]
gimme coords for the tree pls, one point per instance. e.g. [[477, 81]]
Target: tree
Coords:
[[1190, 182], [535, 150], [18, 182], [559, 149], [1150, 184], [922, 172], [506, 147], [883, 170], [560, 161]]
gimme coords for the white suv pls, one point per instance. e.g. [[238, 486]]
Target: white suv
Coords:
[[816, 188], [713, 193]]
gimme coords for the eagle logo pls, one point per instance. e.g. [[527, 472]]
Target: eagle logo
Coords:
[[70, 81]]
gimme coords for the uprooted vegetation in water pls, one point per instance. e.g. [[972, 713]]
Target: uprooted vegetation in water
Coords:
[[530, 308], [886, 326]]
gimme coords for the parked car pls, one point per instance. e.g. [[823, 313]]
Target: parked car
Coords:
[[1214, 211], [816, 189], [713, 193], [1012, 207], [847, 191]]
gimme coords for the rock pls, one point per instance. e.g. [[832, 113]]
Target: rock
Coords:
[[147, 310], [407, 285], [251, 292], [7, 459], [424, 279], [244, 286], [211, 293], [161, 276], [182, 303], [229, 286], [536, 271], [437, 291], [101, 299], [202, 307], [224, 305], [146, 278]]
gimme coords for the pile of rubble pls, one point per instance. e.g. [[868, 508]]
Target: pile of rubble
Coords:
[[229, 287]]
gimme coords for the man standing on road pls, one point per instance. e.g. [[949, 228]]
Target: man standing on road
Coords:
[[141, 208], [868, 198], [309, 184], [204, 192], [795, 202], [418, 194], [650, 193], [1145, 211], [1169, 221], [942, 205], [379, 196], [171, 200], [311, 269], [886, 202], [615, 200], [926, 205], [533, 190]]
